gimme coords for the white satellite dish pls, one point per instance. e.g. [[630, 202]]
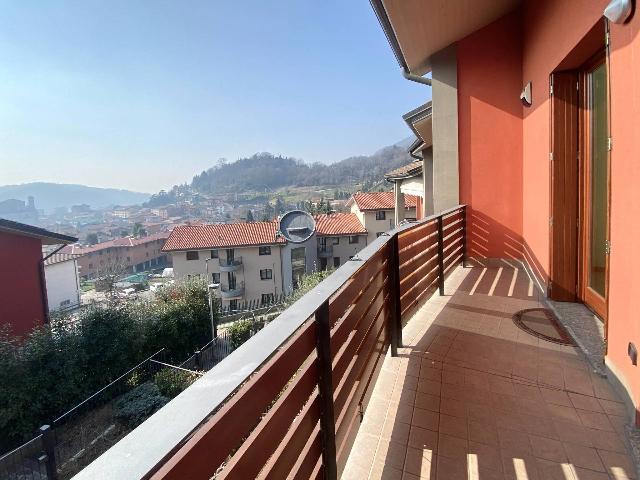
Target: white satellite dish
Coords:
[[296, 226]]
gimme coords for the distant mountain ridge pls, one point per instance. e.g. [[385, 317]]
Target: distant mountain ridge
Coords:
[[49, 196], [274, 171]]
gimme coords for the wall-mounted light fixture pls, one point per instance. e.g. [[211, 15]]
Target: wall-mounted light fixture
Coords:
[[618, 11], [525, 96]]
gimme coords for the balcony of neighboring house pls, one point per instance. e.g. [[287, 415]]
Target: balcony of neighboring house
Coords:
[[231, 292], [325, 251], [404, 363], [230, 264]]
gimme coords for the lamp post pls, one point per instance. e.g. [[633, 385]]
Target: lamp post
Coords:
[[210, 286]]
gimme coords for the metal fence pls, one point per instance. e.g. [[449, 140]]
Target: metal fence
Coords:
[[81, 434]]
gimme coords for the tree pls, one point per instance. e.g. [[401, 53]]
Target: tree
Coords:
[[250, 216], [91, 238], [107, 277], [139, 230]]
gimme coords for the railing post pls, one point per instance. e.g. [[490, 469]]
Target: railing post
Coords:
[[464, 236], [440, 257], [396, 308], [198, 360], [49, 447], [325, 388]]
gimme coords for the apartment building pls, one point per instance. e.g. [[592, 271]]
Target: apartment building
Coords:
[[121, 255], [409, 180], [376, 211], [340, 236], [62, 280], [245, 260]]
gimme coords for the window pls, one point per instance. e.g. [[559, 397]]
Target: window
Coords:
[[214, 253], [266, 274], [193, 255], [298, 257], [215, 277], [91, 265], [128, 259], [353, 239], [336, 262], [336, 241], [264, 250], [381, 215], [64, 303], [267, 298], [233, 304]]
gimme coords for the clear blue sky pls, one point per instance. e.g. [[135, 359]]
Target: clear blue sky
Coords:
[[144, 94]]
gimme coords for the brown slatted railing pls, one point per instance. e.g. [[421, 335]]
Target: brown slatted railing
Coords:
[[295, 414]]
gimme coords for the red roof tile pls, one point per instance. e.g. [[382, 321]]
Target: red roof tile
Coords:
[[339, 224], [380, 201], [222, 235], [116, 243]]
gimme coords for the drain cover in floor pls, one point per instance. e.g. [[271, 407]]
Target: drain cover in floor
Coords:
[[542, 323]]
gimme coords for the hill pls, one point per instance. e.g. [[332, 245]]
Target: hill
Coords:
[[49, 196], [265, 170]]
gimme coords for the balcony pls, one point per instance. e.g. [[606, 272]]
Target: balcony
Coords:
[[325, 251], [385, 370], [229, 293], [230, 264]]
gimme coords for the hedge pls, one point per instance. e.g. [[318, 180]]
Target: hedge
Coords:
[[60, 364]]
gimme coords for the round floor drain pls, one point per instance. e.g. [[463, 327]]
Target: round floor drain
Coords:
[[542, 323]]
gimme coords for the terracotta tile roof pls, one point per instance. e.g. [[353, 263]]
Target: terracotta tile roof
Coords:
[[410, 170], [380, 201], [222, 235], [59, 257], [338, 224], [116, 243]]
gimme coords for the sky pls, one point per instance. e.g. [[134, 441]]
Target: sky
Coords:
[[145, 94]]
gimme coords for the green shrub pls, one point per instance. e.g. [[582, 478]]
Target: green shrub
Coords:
[[135, 407], [171, 381], [239, 332]]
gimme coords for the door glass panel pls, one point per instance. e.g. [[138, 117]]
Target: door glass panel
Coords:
[[599, 180]]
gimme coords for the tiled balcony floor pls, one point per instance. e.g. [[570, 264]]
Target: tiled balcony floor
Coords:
[[471, 396]]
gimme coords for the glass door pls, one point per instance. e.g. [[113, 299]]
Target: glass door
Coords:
[[595, 228]]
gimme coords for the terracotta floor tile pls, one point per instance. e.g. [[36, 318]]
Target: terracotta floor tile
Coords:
[[409, 476], [488, 457], [613, 408], [547, 449], [584, 457], [619, 424], [455, 377], [584, 474], [602, 440], [420, 462], [425, 419], [453, 407], [429, 386], [599, 421], [584, 402], [482, 432], [433, 374], [501, 385], [427, 402], [568, 414], [448, 469], [556, 471], [423, 439], [391, 453], [517, 466], [381, 471], [556, 397], [480, 413], [395, 431], [618, 465], [573, 433], [453, 426], [514, 441]]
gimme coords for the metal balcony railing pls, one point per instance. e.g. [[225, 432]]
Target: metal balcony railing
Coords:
[[235, 291], [289, 401], [230, 264], [325, 251]]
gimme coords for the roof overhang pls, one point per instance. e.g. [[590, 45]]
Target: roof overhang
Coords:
[[415, 150], [45, 236], [419, 121], [416, 29]]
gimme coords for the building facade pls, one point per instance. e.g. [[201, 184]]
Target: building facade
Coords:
[[376, 211], [340, 236], [121, 255]]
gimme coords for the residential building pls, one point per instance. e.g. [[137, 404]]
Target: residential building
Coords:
[[246, 260], [376, 211], [408, 180], [62, 280], [340, 236], [23, 291], [413, 362], [128, 254]]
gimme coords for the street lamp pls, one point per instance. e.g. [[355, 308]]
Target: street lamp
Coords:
[[210, 287]]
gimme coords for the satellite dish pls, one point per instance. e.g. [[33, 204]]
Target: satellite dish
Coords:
[[296, 226]]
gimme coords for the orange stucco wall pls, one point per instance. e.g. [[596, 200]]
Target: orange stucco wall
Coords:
[[504, 149], [490, 138]]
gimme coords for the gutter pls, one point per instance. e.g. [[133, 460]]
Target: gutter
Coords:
[[385, 23]]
